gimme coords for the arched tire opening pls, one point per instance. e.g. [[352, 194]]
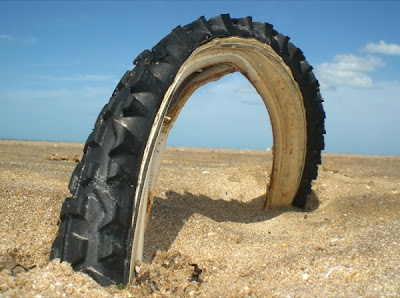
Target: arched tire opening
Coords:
[[102, 225]]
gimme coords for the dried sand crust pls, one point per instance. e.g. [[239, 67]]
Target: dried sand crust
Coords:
[[207, 234]]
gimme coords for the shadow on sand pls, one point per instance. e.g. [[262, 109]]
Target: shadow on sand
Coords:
[[168, 216]]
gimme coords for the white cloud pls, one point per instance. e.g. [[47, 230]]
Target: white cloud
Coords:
[[31, 40], [57, 94], [83, 78], [382, 48], [358, 122], [348, 70], [246, 90], [6, 37]]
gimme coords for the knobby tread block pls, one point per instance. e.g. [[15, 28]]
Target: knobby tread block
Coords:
[[97, 276], [145, 81], [78, 249], [164, 71], [96, 138], [279, 44], [262, 32], [200, 31], [221, 25], [74, 180], [143, 58], [74, 207], [58, 243], [122, 83], [133, 108], [244, 27], [118, 175], [89, 173]]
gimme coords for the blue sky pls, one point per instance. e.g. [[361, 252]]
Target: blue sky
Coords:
[[60, 62]]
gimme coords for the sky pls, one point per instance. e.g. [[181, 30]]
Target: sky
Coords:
[[60, 62]]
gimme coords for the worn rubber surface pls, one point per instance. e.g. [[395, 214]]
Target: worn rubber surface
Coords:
[[95, 232]]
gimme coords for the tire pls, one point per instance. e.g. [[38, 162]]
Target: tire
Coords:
[[102, 225]]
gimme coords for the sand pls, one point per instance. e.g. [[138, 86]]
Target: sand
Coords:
[[207, 234]]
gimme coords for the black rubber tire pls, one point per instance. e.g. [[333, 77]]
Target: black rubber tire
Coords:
[[96, 233]]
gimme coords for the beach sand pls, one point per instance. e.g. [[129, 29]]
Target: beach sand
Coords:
[[207, 235]]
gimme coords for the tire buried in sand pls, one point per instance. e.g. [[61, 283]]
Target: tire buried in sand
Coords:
[[102, 225]]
